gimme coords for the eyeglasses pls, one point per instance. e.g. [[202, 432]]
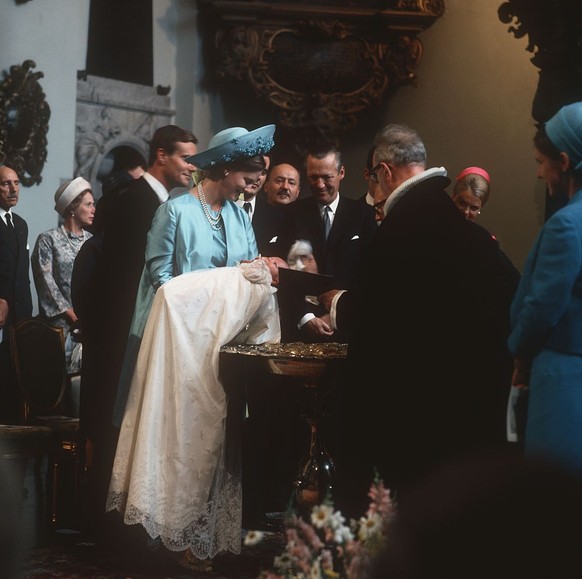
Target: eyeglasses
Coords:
[[373, 172]]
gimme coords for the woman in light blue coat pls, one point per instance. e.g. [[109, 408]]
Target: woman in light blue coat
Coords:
[[546, 313], [181, 419], [202, 228]]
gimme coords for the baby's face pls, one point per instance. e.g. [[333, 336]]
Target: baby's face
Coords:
[[274, 264]]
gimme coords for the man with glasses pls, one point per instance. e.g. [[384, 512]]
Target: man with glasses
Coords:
[[337, 227], [428, 317], [374, 195], [15, 295]]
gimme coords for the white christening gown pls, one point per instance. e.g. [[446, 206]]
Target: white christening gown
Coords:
[[175, 472]]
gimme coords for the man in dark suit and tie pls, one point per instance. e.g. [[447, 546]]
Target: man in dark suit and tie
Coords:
[[15, 296], [264, 217], [109, 289], [337, 252]]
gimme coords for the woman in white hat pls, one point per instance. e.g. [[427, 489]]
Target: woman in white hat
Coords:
[[54, 254], [201, 229]]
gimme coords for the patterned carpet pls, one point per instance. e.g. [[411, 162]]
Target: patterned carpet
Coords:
[[29, 548], [78, 560]]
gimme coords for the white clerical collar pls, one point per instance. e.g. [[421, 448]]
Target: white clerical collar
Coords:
[[159, 189], [403, 188]]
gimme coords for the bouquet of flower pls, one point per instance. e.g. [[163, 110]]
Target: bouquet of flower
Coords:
[[327, 547]]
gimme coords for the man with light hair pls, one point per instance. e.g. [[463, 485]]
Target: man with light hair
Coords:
[[428, 319]]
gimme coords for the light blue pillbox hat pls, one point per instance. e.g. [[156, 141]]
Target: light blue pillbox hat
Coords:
[[564, 130]]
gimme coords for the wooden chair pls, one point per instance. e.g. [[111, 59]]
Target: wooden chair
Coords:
[[38, 356]]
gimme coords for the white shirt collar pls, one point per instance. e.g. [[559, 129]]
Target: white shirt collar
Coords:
[[403, 188], [3, 212], [332, 206], [241, 201], [159, 189]]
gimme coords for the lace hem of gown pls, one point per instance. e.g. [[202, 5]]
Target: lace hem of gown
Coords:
[[215, 531]]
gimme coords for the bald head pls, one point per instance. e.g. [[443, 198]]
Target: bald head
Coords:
[[282, 184], [9, 187]]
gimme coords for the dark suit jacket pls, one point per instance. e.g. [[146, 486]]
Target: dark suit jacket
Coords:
[[427, 363], [352, 228], [267, 221], [105, 282], [351, 231], [14, 271]]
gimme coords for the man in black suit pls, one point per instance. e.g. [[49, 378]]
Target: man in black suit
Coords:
[[15, 296], [105, 280], [351, 226], [425, 314], [264, 217], [281, 183]]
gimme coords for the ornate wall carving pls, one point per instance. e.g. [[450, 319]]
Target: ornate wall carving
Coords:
[[318, 65], [112, 114], [554, 31], [24, 117]]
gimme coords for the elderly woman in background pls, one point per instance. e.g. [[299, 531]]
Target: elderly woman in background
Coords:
[[200, 229], [54, 254]]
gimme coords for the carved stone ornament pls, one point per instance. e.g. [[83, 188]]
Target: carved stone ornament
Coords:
[[319, 64], [24, 117]]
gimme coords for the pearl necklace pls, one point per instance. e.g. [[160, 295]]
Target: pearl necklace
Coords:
[[75, 241], [216, 223]]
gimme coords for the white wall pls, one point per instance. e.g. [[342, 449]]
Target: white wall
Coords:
[[178, 63], [54, 35]]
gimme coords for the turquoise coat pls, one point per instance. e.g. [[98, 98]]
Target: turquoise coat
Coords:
[[546, 318], [181, 240]]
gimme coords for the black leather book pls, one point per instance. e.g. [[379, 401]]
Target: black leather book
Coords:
[[305, 283]]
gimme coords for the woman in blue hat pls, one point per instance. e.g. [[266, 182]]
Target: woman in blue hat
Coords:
[[201, 229], [546, 313]]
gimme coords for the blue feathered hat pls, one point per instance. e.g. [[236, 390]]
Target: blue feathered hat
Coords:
[[234, 143]]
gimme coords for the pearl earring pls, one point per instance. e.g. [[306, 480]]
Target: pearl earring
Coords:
[[226, 173]]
